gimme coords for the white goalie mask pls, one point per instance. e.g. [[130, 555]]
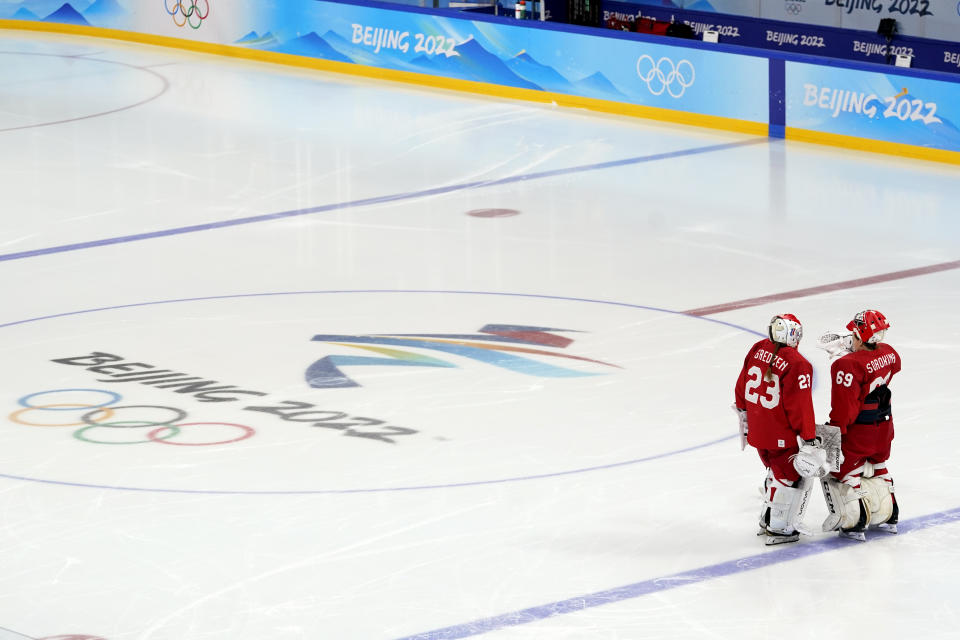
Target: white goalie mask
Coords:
[[786, 329]]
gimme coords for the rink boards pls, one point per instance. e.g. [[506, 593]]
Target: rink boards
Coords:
[[854, 105]]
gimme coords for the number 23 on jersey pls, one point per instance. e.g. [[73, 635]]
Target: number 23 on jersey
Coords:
[[770, 397]]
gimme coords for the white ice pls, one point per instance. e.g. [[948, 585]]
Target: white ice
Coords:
[[140, 193]]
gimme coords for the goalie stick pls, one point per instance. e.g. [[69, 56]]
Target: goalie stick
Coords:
[[830, 441], [742, 417]]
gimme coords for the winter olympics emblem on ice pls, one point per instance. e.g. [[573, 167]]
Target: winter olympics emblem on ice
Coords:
[[459, 375], [188, 12], [664, 75]]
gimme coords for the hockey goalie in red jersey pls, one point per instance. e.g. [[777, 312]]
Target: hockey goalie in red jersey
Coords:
[[860, 406], [773, 398]]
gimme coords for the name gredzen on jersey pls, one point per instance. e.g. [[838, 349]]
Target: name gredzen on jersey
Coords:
[[765, 356]]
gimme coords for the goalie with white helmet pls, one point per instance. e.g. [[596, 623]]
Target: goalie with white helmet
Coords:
[[860, 406], [773, 398]]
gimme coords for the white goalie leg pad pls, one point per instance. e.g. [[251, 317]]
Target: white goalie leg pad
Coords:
[[878, 498], [879, 471], [843, 503], [855, 475], [788, 505], [765, 495]]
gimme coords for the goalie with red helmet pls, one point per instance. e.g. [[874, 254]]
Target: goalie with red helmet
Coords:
[[773, 397], [860, 406]]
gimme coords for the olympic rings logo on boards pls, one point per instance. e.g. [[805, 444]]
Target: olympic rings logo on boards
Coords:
[[102, 421], [188, 12], [664, 75]]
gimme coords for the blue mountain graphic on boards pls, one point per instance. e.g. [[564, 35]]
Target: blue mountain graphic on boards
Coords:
[[311, 45], [362, 55], [599, 84], [473, 63], [103, 11], [253, 39], [66, 14], [25, 14], [525, 66]]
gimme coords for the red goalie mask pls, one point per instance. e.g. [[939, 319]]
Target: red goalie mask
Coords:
[[870, 326]]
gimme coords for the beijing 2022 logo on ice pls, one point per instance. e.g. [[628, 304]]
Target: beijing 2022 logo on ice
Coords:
[[101, 416], [504, 346], [665, 75]]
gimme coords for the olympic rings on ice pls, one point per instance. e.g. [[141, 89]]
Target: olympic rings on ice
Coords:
[[664, 75], [187, 12], [247, 433], [114, 397], [99, 415]]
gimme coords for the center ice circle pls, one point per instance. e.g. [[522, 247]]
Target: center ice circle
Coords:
[[357, 391]]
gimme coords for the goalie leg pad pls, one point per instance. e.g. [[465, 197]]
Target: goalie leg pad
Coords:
[[890, 526], [786, 508], [878, 498], [765, 510], [847, 510]]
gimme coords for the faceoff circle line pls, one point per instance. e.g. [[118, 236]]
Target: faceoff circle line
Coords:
[[372, 291]]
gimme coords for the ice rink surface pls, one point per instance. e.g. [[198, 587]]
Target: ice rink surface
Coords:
[[290, 355]]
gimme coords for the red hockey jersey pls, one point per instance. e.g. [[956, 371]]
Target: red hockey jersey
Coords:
[[779, 408], [859, 392]]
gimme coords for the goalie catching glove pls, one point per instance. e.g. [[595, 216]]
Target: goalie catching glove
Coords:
[[811, 460], [835, 344]]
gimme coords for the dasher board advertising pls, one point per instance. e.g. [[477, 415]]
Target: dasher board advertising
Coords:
[[885, 107], [937, 19]]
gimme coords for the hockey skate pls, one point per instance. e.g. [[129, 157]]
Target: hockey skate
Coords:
[[853, 534], [856, 532], [890, 526], [772, 537]]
